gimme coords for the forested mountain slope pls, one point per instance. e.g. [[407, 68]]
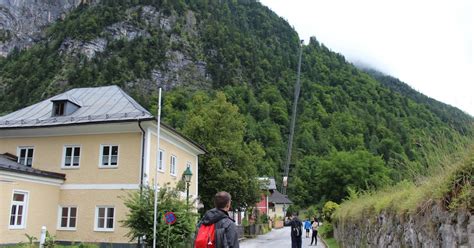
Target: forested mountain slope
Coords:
[[449, 114], [228, 70]]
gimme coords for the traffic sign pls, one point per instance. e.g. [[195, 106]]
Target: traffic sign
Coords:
[[170, 218]]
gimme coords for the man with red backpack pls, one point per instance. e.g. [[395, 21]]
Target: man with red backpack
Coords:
[[216, 229]]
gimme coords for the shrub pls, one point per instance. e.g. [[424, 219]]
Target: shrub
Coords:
[[139, 220], [50, 240], [86, 245], [30, 244], [326, 230], [263, 219], [245, 222], [328, 209], [459, 189]]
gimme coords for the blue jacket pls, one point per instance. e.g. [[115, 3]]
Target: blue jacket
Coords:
[[307, 225]]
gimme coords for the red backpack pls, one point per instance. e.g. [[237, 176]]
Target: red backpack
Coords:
[[206, 237]]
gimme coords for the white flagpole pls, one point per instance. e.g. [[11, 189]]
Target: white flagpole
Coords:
[[158, 128]]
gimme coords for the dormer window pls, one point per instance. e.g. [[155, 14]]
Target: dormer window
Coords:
[[64, 107], [58, 108]]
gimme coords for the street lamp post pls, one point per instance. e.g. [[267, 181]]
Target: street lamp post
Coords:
[[187, 177]]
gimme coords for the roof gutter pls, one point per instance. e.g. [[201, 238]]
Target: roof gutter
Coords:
[[75, 124], [38, 173]]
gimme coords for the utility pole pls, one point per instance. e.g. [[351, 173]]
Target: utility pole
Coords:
[[292, 125], [155, 207]]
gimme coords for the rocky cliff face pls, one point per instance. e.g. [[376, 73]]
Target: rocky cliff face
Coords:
[[430, 227], [21, 21], [180, 66]]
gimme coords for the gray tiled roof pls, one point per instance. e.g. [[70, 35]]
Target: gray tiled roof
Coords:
[[100, 104], [277, 197], [7, 164], [267, 183]]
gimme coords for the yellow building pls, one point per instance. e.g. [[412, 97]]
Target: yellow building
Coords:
[[66, 162], [278, 203]]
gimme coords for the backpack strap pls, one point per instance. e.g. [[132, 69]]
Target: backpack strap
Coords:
[[221, 232]]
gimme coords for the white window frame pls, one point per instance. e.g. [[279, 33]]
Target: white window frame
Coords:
[[101, 155], [96, 218], [63, 160], [25, 209], [60, 215], [18, 152], [163, 165], [175, 165]]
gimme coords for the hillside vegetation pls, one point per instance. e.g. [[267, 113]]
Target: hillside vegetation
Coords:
[[450, 185], [228, 70], [453, 116], [433, 211]]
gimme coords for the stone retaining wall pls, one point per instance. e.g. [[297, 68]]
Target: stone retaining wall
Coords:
[[432, 226]]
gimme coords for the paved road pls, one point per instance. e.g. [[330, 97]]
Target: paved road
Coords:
[[278, 238]]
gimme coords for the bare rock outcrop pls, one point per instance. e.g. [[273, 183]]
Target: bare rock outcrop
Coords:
[[180, 69], [21, 21], [87, 48], [116, 31], [125, 30]]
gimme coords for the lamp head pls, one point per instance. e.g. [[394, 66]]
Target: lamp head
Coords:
[[187, 175]]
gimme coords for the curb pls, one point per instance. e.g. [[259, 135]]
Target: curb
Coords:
[[324, 241]]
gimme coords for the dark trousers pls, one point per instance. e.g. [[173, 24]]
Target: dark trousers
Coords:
[[296, 242], [314, 237]]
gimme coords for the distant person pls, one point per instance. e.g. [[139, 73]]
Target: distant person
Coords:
[[314, 236], [307, 227], [216, 228], [296, 232]]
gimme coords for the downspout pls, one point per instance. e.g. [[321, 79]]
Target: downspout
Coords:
[[142, 165], [267, 205], [143, 156]]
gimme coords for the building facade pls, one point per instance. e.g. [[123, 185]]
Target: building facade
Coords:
[[272, 202], [68, 162]]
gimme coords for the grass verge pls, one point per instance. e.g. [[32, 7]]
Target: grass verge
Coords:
[[330, 242], [451, 185]]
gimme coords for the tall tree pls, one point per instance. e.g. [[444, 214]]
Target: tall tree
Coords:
[[229, 164]]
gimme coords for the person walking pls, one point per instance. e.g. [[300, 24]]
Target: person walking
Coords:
[[314, 236], [307, 227], [296, 234], [216, 228]]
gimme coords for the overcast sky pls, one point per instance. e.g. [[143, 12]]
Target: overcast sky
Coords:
[[426, 44]]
